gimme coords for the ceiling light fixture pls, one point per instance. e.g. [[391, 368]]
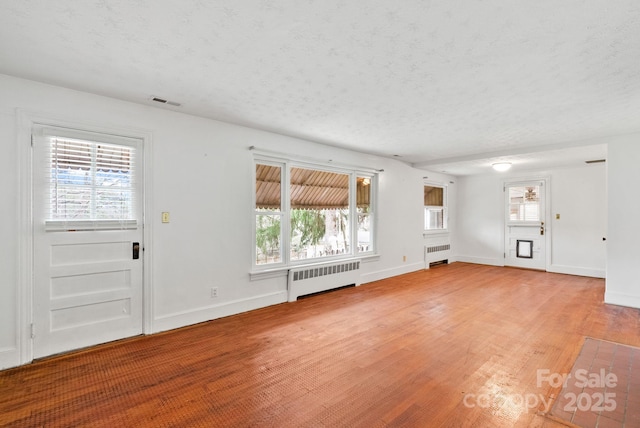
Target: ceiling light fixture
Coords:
[[501, 166]]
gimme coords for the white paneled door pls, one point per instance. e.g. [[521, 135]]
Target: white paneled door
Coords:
[[87, 232], [525, 224]]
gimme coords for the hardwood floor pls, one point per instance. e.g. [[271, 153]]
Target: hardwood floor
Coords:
[[457, 345]]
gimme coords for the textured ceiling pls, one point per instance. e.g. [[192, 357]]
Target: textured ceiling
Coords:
[[424, 80], [521, 162]]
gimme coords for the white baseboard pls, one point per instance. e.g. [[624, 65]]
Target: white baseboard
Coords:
[[568, 270], [579, 271], [9, 357], [620, 299], [182, 319], [480, 260], [388, 273]]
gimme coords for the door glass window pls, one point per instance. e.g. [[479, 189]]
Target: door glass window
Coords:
[[90, 180], [524, 203]]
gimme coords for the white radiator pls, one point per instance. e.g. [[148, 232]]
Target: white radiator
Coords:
[[436, 251], [317, 278]]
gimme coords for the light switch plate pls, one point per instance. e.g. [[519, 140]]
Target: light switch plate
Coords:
[[165, 217]]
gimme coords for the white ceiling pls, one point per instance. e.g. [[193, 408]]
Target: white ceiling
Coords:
[[520, 161], [426, 80]]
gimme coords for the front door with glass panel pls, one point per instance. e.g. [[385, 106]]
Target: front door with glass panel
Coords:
[[87, 233], [525, 224]]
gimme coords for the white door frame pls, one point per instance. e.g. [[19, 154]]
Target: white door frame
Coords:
[[24, 296], [547, 214]]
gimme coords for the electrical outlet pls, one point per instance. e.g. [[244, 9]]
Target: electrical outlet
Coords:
[[214, 292], [404, 258]]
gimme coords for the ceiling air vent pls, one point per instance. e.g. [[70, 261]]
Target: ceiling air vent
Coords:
[[163, 101], [595, 161]]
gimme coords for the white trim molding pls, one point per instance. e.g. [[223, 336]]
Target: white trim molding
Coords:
[[579, 271], [388, 273], [208, 313], [620, 299], [481, 260]]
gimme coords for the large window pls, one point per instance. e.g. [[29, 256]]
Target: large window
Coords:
[[307, 214], [435, 207]]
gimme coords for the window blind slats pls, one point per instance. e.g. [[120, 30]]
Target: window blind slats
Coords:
[[90, 180]]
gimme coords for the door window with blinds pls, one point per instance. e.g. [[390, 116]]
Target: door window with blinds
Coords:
[[524, 204], [92, 182], [435, 207]]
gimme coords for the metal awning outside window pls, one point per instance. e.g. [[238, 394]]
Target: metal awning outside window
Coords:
[[310, 189]]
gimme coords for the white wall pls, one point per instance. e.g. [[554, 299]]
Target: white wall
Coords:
[[8, 236], [577, 194], [480, 220], [623, 253], [202, 172]]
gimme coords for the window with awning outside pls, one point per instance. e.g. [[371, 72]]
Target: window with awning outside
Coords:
[[435, 207], [328, 213]]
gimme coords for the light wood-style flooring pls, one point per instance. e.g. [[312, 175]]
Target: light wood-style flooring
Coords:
[[453, 346]]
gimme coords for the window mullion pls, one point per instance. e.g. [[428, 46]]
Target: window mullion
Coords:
[[285, 229], [353, 214], [94, 162], [54, 181], [373, 213]]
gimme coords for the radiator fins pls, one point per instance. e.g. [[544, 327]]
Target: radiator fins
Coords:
[[438, 248], [325, 270]]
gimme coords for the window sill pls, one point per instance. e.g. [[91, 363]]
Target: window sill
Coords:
[[283, 271], [370, 258], [435, 233], [268, 273]]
